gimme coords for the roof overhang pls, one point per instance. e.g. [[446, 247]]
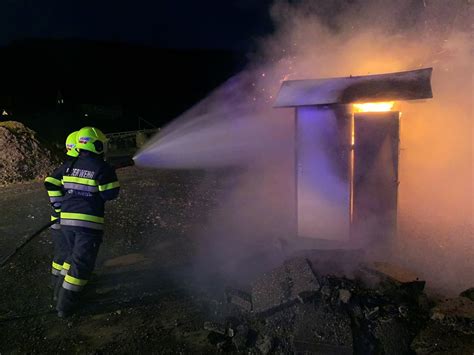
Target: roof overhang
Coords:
[[408, 85]]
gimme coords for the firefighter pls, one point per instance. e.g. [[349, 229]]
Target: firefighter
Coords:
[[88, 182], [56, 194]]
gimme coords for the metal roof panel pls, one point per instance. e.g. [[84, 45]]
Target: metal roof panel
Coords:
[[408, 85]]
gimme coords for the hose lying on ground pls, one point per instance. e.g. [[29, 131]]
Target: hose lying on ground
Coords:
[[25, 242]]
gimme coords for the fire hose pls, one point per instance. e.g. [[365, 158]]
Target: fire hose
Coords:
[[25, 242]]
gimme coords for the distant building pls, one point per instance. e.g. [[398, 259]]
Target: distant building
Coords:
[[102, 112], [88, 107], [59, 98]]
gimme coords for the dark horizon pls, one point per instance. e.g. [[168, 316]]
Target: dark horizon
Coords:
[[152, 59], [155, 84]]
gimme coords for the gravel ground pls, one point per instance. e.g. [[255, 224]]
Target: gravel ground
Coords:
[[143, 296], [147, 295]]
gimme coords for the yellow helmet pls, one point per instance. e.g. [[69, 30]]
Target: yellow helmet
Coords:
[[91, 139], [71, 145]]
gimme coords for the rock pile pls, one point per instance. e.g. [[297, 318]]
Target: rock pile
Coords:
[[22, 156], [378, 309]]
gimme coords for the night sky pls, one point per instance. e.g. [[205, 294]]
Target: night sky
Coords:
[[154, 59], [223, 24], [112, 52]]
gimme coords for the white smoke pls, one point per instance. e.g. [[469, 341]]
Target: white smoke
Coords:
[[236, 125]]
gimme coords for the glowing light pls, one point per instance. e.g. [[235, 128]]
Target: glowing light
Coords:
[[374, 106], [352, 132], [4, 113], [351, 167]]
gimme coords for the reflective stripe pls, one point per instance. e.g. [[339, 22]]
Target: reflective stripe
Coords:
[[57, 210], [82, 217], [71, 287], [53, 181], [64, 272], [54, 193], [110, 186], [56, 199], [85, 224], [80, 187], [66, 266], [56, 226], [56, 269], [75, 281], [57, 266], [53, 218], [79, 180]]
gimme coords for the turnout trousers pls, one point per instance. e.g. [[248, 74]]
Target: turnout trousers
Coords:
[[61, 251], [83, 246]]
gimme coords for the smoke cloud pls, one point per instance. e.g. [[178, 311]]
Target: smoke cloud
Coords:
[[237, 126]]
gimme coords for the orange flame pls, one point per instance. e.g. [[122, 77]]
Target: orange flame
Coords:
[[374, 106]]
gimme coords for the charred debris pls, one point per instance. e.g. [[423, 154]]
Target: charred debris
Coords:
[[314, 304]]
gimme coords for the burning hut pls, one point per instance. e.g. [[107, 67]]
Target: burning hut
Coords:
[[347, 149]]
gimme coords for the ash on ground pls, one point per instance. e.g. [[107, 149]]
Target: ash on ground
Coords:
[[23, 157], [311, 304]]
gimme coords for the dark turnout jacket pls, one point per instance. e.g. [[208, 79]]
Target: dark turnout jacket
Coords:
[[84, 183]]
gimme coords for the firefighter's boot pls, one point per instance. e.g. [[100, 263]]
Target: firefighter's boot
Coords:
[[57, 287], [54, 280], [67, 302]]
